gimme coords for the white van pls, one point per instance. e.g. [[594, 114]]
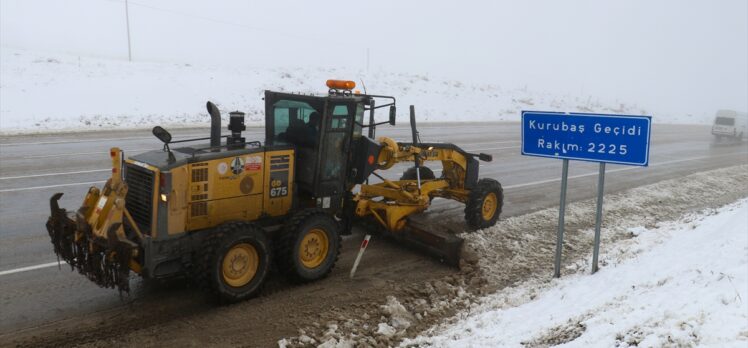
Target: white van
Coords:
[[730, 123]]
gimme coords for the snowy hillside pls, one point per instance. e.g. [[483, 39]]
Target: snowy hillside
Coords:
[[687, 286], [43, 92]]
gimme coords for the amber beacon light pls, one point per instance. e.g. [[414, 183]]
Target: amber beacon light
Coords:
[[341, 84]]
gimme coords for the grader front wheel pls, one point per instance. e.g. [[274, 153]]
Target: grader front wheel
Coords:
[[411, 174], [484, 204]]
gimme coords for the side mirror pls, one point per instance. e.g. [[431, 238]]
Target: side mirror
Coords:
[[162, 134], [392, 115]]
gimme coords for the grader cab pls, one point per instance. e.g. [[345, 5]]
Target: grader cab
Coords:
[[223, 212]]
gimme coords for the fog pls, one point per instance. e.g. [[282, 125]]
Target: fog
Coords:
[[683, 56]]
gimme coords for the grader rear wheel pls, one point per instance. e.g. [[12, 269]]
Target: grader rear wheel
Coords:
[[484, 204], [240, 265], [309, 246], [236, 261]]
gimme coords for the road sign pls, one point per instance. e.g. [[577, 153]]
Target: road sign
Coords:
[[620, 139]]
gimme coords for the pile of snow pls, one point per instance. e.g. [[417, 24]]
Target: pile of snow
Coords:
[[687, 286], [42, 93]]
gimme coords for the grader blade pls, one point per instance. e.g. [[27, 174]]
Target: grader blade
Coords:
[[433, 240]]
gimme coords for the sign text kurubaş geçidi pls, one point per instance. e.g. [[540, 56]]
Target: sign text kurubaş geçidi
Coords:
[[597, 128]]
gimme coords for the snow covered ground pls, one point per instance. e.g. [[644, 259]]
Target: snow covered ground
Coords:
[[41, 92], [686, 286], [509, 265]]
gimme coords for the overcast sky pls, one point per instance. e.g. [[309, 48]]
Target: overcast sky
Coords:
[[689, 56]]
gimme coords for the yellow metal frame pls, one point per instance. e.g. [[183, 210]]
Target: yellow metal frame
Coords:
[[227, 196], [390, 202], [398, 199], [103, 209]]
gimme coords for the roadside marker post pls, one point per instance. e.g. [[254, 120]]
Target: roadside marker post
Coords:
[[361, 250], [602, 138]]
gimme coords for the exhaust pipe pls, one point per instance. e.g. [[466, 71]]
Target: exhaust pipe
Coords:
[[215, 124]]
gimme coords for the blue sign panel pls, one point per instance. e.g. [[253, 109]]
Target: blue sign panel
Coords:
[[588, 137]]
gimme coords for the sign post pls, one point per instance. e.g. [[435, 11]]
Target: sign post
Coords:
[[561, 213], [598, 215], [617, 139]]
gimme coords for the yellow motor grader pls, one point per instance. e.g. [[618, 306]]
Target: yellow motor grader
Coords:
[[222, 212]]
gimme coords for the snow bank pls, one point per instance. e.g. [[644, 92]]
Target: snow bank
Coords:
[[688, 286], [44, 93]]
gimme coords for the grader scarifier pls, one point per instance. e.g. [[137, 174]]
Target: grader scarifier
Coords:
[[223, 212]]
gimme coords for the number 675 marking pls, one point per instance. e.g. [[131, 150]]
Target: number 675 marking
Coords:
[[278, 191]]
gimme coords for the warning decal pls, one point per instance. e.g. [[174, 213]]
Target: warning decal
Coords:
[[254, 163]]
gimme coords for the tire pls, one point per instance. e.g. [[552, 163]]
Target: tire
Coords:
[[309, 246], [426, 174], [484, 204], [410, 174], [236, 260]]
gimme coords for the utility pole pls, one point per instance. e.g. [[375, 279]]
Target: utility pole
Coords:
[[127, 19]]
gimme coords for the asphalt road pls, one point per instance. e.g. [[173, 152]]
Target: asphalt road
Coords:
[[32, 168]]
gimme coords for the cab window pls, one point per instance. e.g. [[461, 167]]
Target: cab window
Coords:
[[334, 143], [359, 120], [292, 121], [339, 119], [724, 121]]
